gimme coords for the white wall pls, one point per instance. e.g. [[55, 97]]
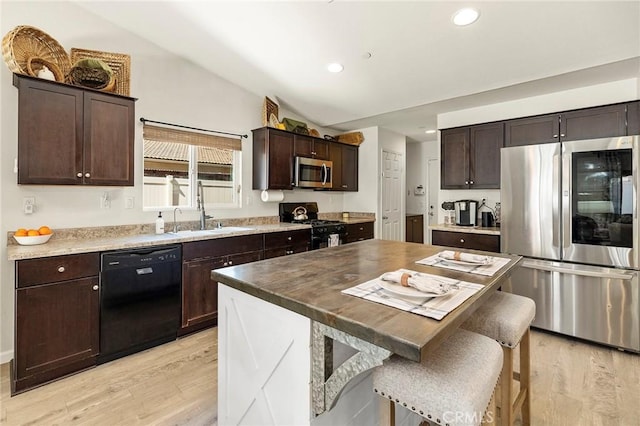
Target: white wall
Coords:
[[418, 155], [168, 89], [601, 94]]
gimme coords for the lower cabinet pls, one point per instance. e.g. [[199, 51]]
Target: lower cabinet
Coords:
[[285, 243], [358, 232], [414, 229], [57, 318], [466, 240], [199, 293]]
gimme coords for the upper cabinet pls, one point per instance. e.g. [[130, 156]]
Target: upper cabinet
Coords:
[[272, 159], [274, 153], [470, 156], [588, 123], [345, 166], [73, 136], [310, 147]]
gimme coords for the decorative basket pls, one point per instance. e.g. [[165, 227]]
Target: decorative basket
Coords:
[[354, 138], [24, 42], [119, 63], [94, 78], [35, 64]]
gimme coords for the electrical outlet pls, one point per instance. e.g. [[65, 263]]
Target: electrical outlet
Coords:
[[105, 201], [29, 205], [129, 202]]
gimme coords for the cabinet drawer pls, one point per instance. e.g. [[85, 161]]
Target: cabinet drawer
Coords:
[[285, 251], [466, 240], [60, 268], [221, 247], [359, 232], [287, 238]]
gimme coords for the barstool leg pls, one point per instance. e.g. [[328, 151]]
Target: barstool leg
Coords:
[[387, 414], [525, 374], [506, 377]]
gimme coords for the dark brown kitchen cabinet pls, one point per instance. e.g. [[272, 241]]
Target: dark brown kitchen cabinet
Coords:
[[466, 240], [358, 232], [587, 123], [414, 228], [286, 243], [470, 157], [308, 146], [345, 166], [633, 118], [56, 318], [272, 159], [73, 136], [199, 292]]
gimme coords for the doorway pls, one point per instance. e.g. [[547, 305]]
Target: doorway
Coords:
[[391, 198]]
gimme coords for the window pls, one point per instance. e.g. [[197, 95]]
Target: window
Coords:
[[176, 161]]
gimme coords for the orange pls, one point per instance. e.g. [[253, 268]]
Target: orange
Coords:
[[21, 232], [32, 233], [44, 230]]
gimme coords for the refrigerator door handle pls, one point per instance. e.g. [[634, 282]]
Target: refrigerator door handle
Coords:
[[551, 268]]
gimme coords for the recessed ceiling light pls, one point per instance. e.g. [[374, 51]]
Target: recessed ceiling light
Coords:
[[335, 67], [430, 131], [465, 16]]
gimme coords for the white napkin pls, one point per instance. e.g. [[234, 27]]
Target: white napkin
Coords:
[[465, 257], [334, 240], [417, 281]]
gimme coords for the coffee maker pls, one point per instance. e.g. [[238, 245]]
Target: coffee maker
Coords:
[[466, 212]]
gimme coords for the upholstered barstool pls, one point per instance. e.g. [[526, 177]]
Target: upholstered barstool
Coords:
[[454, 386], [506, 317]]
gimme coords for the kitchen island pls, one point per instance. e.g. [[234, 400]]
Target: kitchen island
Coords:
[[279, 318]]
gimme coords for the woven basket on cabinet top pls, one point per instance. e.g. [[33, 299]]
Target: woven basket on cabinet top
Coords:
[[24, 42]]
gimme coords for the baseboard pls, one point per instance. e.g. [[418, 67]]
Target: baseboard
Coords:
[[6, 356]]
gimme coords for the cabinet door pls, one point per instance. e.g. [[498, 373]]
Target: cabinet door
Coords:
[[633, 118], [272, 159], [108, 139], [57, 330], [358, 232], [321, 149], [349, 168], [454, 158], [414, 229], [593, 123], [49, 133], [484, 155], [199, 294], [303, 146], [532, 130]]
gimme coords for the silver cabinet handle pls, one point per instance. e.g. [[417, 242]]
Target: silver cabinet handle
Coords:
[[79, 174], [61, 269], [225, 264], [562, 135], [95, 287], [466, 182], [462, 240], [288, 238], [555, 136], [87, 175], [231, 262], [471, 182]]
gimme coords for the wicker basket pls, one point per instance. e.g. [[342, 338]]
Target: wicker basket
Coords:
[[93, 78], [119, 63], [24, 42], [35, 64], [353, 138]]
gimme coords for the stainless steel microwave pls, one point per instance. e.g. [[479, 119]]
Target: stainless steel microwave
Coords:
[[312, 173]]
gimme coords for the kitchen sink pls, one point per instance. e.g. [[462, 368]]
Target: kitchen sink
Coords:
[[215, 231]]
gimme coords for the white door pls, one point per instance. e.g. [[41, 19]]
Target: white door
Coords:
[[433, 185], [392, 200]]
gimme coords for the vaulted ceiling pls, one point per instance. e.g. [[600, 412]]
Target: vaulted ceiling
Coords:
[[404, 61]]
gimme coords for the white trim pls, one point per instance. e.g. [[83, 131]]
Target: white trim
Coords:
[[6, 356]]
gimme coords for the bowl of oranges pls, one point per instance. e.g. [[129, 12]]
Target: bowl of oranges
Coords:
[[32, 237]]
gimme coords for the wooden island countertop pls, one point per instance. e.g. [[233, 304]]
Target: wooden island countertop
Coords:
[[310, 284]]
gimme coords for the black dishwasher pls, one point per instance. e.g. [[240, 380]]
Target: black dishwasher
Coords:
[[139, 299]]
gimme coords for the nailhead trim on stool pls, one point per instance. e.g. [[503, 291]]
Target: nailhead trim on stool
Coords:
[[506, 318], [452, 387]]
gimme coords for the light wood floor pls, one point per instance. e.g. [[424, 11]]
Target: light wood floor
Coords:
[[573, 383]]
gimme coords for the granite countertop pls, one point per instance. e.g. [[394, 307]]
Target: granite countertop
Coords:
[[86, 240], [469, 229], [310, 284]]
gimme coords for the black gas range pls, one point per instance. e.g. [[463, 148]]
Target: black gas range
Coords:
[[324, 233]]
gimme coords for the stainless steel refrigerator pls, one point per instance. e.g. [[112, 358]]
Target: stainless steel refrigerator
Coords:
[[571, 209]]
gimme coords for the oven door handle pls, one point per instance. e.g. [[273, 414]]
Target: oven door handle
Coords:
[[569, 271]]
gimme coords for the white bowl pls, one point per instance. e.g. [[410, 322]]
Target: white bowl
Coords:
[[32, 241]]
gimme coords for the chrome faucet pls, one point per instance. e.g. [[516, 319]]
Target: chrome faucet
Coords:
[[200, 201], [175, 224]]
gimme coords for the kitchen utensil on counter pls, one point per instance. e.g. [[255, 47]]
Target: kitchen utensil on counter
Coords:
[[466, 212], [300, 213], [487, 219]]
